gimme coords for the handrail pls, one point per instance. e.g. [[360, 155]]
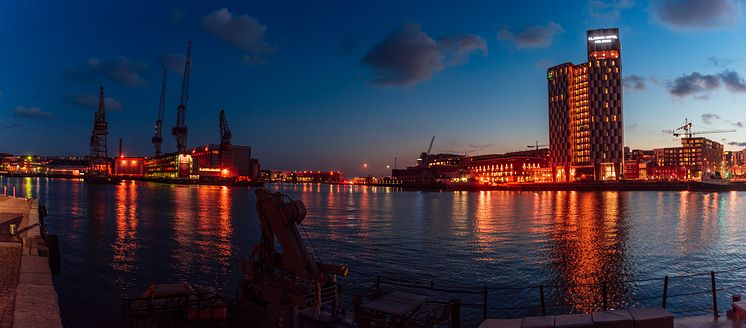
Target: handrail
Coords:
[[604, 301]]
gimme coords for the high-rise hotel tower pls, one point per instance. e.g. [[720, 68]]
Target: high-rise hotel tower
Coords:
[[586, 135]]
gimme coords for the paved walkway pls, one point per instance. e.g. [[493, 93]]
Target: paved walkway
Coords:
[[10, 263], [27, 295]]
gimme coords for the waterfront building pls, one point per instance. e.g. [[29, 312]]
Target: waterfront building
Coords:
[[207, 162], [696, 158], [493, 169], [586, 136], [431, 169], [302, 176], [129, 166]]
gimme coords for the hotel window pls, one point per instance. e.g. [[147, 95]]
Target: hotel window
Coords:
[[616, 70], [606, 90]]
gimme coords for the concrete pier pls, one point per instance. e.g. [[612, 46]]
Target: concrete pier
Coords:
[[27, 295]]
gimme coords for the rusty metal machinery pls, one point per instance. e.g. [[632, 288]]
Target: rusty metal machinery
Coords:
[[282, 287]]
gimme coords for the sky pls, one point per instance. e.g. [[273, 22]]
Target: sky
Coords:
[[334, 85]]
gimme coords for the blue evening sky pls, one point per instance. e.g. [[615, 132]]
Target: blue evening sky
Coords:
[[327, 85]]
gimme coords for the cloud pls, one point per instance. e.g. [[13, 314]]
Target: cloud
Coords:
[[121, 70], [693, 84], [31, 112], [737, 144], [696, 14], [243, 32], [12, 125], [737, 124], [609, 10], [173, 63], [697, 84], [733, 82], [535, 36], [720, 62], [408, 56], [634, 82], [91, 101], [707, 118]]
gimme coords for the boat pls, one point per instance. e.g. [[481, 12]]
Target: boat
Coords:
[[712, 182]]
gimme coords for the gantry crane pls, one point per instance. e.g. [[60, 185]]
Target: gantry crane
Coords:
[[158, 134], [688, 133], [180, 130]]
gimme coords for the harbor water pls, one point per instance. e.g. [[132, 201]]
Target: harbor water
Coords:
[[584, 247]]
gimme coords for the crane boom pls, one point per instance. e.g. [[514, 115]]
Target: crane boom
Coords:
[[180, 130], [431, 145], [225, 131], [158, 133], [688, 133]]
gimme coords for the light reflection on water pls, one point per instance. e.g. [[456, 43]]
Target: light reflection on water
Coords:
[[118, 239]]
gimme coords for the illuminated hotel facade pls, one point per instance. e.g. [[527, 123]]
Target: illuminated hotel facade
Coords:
[[586, 135]]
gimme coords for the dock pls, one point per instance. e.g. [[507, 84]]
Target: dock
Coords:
[[27, 295]]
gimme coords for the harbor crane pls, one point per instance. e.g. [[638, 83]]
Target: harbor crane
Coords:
[[99, 163], [180, 130], [686, 130], [158, 133], [226, 148], [537, 146]]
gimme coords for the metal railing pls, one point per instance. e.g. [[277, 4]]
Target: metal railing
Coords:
[[479, 297]]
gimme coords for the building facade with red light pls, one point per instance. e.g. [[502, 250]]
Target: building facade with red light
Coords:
[[208, 162], [586, 136], [129, 166], [496, 169]]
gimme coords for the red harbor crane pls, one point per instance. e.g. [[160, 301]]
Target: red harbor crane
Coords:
[[158, 134], [180, 130]]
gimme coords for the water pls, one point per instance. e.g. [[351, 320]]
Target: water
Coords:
[[116, 240]]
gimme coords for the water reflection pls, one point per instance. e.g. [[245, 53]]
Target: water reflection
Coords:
[[125, 244], [589, 238], [118, 239]]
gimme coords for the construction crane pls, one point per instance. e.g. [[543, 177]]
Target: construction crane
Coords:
[[99, 164], [226, 149], [537, 146], [158, 134], [180, 130], [688, 133], [431, 146]]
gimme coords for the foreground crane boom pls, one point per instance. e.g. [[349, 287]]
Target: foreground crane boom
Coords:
[[158, 133], [180, 130], [279, 284]]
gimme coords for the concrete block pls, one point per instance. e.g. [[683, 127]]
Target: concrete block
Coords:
[[652, 318], [35, 264], [35, 278], [36, 306], [573, 321], [613, 319], [538, 322], [501, 323]]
